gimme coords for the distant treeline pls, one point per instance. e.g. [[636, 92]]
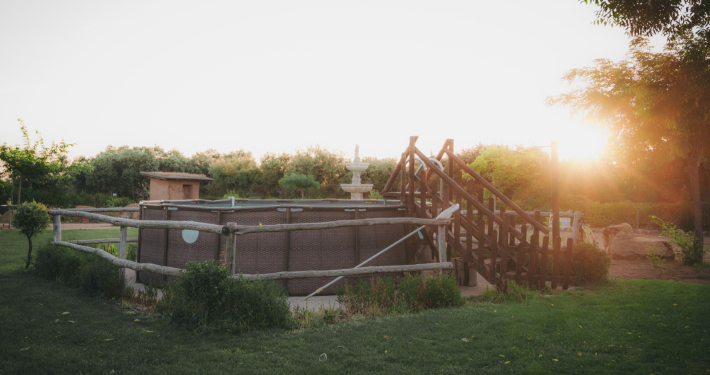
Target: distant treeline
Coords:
[[522, 174]]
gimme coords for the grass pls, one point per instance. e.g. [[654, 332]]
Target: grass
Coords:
[[635, 327]]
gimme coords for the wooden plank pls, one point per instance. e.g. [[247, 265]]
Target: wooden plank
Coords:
[[347, 272], [457, 232], [403, 180], [435, 199], [146, 224], [543, 262], [555, 262], [543, 214], [503, 249], [103, 240], [519, 264], [493, 190], [423, 193], [532, 266], [112, 209], [568, 264]]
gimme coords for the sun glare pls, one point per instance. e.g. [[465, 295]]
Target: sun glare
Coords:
[[581, 141]]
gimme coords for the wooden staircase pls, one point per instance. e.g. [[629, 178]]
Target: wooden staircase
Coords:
[[478, 239]]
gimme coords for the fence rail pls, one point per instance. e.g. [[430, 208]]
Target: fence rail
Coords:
[[231, 230]]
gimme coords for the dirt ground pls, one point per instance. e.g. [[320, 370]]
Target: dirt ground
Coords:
[[668, 270]]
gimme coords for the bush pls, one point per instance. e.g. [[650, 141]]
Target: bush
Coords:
[[205, 297], [59, 264], [99, 277], [93, 275], [690, 254], [591, 265], [398, 295]]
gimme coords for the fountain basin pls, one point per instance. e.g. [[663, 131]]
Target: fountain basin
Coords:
[[357, 188], [357, 167]]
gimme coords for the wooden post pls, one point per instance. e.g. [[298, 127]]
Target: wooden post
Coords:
[[555, 175], [138, 251], [229, 250], [422, 196], [122, 247], [469, 230], [457, 233], [543, 262], [568, 264], [555, 261], [357, 238], [576, 227], [504, 231], [403, 179], [532, 265], [435, 199], [494, 254], [481, 238], [520, 256], [441, 243], [165, 248], [57, 228], [218, 244], [410, 204]]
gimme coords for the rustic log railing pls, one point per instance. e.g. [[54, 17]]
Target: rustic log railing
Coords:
[[480, 240], [230, 230]]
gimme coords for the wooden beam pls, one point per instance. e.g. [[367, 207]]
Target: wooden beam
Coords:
[[112, 209], [57, 228], [103, 240], [145, 224], [346, 272], [244, 229], [147, 267]]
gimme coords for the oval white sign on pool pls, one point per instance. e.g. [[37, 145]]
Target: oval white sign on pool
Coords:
[[189, 235]]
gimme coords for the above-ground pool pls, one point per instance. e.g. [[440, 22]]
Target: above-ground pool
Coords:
[[326, 249]]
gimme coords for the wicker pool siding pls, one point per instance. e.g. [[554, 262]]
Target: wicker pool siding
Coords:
[[265, 252]]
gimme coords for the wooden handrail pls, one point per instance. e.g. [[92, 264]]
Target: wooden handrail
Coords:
[[147, 267], [112, 209], [495, 191]]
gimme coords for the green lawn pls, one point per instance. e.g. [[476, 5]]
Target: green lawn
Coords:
[[637, 327]]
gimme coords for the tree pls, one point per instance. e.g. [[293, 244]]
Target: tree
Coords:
[[325, 166], [299, 181], [37, 163], [648, 17], [234, 170], [651, 101], [273, 169], [31, 218]]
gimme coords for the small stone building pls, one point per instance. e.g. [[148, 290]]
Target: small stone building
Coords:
[[174, 185]]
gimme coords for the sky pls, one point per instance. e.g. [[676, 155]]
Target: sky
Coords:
[[275, 76]]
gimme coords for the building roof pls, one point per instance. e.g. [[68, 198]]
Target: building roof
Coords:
[[176, 176]]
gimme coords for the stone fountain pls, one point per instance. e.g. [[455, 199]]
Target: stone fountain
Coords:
[[357, 166]]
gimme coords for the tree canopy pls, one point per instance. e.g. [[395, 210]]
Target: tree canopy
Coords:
[[648, 17], [299, 181], [36, 163], [651, 102]]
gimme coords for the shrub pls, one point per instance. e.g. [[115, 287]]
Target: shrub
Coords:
[[590, 265], [31, 218], [205, 297], [59, 264], [690, 254], [93, 275], [398, 295], [99, 277]]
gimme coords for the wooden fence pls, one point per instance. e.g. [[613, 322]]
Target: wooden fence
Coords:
[[230, 230]]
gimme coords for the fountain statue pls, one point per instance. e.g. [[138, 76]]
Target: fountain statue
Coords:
[[357, 166]]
